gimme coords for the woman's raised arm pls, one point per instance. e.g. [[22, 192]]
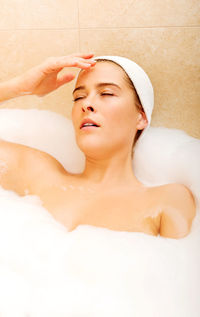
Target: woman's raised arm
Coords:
[[43, 79]]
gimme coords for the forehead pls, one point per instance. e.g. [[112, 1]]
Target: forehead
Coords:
[[102, 72]]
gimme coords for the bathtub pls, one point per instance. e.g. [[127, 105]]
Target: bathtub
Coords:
[[47, 271]]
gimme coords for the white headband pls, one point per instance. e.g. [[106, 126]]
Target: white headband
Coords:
[[140, 81]]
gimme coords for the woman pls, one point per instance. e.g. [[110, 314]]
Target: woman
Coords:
[[107, 193]]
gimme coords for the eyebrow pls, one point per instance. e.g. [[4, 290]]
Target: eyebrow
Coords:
[[98, 85]]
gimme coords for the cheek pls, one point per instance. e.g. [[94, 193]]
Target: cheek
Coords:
[[122, 117]]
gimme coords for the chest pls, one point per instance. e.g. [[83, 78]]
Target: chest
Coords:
[[121, 211]]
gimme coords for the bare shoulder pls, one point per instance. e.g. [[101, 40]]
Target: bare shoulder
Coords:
[[178, 211], [30, 157], [25, 166]]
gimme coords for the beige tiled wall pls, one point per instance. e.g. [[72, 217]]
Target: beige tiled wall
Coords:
[[161, 36]]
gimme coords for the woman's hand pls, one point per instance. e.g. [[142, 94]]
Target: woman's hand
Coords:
[[43, 79]]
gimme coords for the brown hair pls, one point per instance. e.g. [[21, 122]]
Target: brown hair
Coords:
[[136, 97]]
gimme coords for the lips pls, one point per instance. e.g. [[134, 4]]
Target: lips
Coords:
[[88, 120]]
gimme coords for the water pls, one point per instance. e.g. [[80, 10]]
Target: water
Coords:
[[47, 271]]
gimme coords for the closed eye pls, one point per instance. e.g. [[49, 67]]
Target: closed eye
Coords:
[[102, 94], [77, 98], [106, 94]]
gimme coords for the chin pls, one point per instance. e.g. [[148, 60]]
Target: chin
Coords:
[[89, 148], [92, 149]]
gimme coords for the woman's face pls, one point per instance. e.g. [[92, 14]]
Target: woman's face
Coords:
[[103, 95]]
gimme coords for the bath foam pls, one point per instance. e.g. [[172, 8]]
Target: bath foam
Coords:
[[47, 271]]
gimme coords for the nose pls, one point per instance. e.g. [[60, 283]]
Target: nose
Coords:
[[87, 108]]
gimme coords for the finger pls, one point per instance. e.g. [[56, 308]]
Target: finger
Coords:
[[91, 60], [64, 79], [56, 64], [75, 62], [85, 56], [84, 65]]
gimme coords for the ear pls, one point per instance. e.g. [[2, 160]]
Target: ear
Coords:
[[142, 121]]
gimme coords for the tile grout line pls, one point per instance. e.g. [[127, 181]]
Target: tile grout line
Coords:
[[79, 40], [101, 28], [140, 27]]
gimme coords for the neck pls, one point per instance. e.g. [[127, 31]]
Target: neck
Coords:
[[110, 172]]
